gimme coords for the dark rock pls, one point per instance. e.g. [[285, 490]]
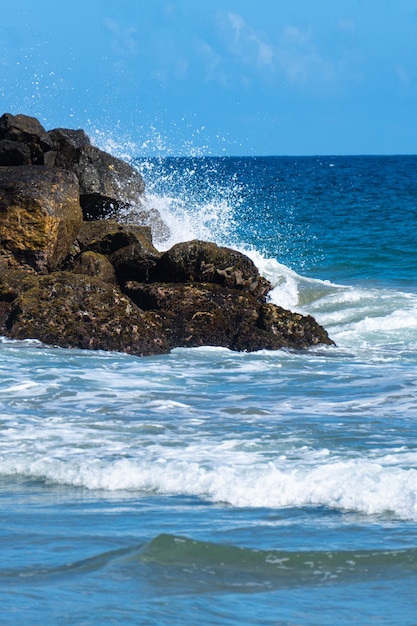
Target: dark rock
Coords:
[[149, 217], [94, 264], [65, 143], [293, 329], [195, 294], [107, 183], [202, 261], [76, 311], [108, 236], [109, 187], [40, 216], [12, 284], [135, 262], [5, 308], [27, 130], [197, 314], [104, 178], [14, 153], [201, 314]]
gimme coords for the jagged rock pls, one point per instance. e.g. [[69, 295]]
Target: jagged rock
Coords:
[[146, 217], [106, 182], [76, 311], [202, 314], [293, 329], [202, 261], [12, 284], [40, 216], [109, 187], [26, 130], [108, 236], [14, 153], [129, 247], [135, 262], [95, 264], [196, 314], [195, 294]]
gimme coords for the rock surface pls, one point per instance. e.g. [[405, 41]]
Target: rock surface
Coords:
[[101, 284], [76, 311], [40, 216]]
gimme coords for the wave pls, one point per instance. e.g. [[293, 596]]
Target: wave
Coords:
[[197, 200], [383, 485], [188, 564]]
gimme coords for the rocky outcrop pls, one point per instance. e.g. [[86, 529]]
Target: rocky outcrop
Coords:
[[202, 261], [40, 216], [76, 311], [100, 284], [106, 183]]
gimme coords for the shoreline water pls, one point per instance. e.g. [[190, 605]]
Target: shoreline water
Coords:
[[173, 488]]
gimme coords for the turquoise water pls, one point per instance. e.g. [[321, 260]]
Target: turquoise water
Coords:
[[214, 487]]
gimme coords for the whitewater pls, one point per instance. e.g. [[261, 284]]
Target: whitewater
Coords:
[[225, 488]]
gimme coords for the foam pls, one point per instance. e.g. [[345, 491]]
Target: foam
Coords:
[[368, 486]]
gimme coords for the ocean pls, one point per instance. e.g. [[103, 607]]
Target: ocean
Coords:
[[213, 487]]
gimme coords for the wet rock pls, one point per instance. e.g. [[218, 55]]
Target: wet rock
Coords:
[[107, 183], [40, 216], [195, 294], [292, 329], [202, 261], [14, 153], [202, 314], [12, 284], [25, 130], [76, 311], [146, 217], [135, 262], [108, 236], [95, 264], [196, 314], [109, 187]]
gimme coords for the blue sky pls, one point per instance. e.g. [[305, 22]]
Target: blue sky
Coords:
[[218, 76]]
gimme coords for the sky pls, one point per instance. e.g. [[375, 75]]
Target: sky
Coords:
[[217, 77]]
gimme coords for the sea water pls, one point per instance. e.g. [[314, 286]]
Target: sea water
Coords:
[[213, 487]]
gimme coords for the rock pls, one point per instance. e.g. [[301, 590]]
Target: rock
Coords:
[[12, 284], [107, 183], [94, 264], [109, 187], [40, 216], [108, 236], [14, 153], [135, 262], [26, 130], [293, 329], [146, 217], [196, 314], [195, 294], [75, 311], [201, 261], [201, 314]]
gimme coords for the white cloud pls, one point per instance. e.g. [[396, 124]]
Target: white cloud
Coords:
[[124, 40], [238, 24], [300, 60], [212, 61], [248, 44]]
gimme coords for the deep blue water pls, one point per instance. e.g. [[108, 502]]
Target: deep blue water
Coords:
[[213, 487]]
